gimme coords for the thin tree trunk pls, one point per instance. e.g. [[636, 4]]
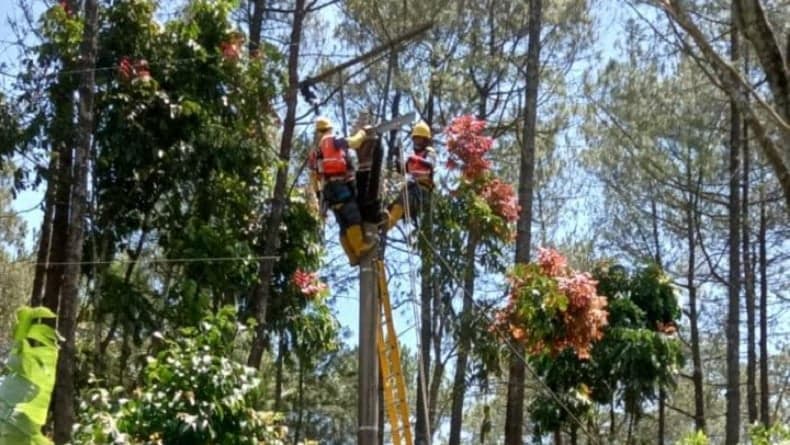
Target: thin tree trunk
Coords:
[[60, 226], [64, 386], [42, 256], [422, 425], [459, 380], [662, 394], [278, 376], [300, 409], [514, 415], [428, 309], [748, 283], [765, 410], [733, 392], [662, 413], [696, 359], [256, 23], [262, 291]]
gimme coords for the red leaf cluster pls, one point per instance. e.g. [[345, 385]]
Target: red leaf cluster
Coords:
[[125, 69], [308, 283], [231, 48], [551, 262], [502, 199], [467, 145], [129, 70], [585, 316], [576, 325], [65, 5]]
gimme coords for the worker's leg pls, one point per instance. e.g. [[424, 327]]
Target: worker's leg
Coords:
[[348, 217], [353, 258], [352, 220], [395, 213], [336, 195]]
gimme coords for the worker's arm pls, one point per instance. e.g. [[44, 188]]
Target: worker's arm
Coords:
[[356, 140]]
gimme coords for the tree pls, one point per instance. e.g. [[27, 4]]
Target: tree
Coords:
[[764, 114], [515, 400], [63, 403], [271, 235], [734, 277]]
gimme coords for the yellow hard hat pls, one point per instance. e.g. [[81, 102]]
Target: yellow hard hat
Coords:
[[323, 124], [421, 129]]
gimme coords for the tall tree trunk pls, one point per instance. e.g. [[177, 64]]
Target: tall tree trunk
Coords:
[[42, 256], [428, 308], [765, 409], [55, 267], [733, 393], [300, 409], [256, 23], [459, 380], [59, 186], [662, 393], [63, 405], [748, 284], [423, 407], [514, 415], [278, 377], [696, 359], [262, 291]]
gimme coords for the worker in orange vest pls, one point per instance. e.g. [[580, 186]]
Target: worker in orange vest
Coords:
[[332, 172], [419, 171]]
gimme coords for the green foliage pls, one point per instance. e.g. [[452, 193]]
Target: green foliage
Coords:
[[695, 438], [776, 433], [652, 291], [758, 435], [192, 393], [26, 389], [629, 364]]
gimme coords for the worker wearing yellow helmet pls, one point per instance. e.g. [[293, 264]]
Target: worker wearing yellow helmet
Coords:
[[419, 170], [332, 173]]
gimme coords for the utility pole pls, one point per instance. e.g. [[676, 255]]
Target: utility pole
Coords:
[[368, 403]]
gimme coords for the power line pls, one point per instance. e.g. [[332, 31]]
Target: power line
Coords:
[[143, 261]]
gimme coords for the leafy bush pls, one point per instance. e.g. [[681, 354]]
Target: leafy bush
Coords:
[[192, 393], [758, 435], [26, 389], [552, 307]]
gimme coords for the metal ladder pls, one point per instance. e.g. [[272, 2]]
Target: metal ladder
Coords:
[[394, 384]]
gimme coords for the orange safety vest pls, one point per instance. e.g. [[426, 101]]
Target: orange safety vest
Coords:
[[417, 166], [331, 158]]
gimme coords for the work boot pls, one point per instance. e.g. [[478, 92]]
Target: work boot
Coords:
[[353, 258], [356, 240], [395, 214]]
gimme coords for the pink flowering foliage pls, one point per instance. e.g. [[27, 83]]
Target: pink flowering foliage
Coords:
[[308, 284], [552, 307], [126, 69], [467, 145], [502, 199]]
